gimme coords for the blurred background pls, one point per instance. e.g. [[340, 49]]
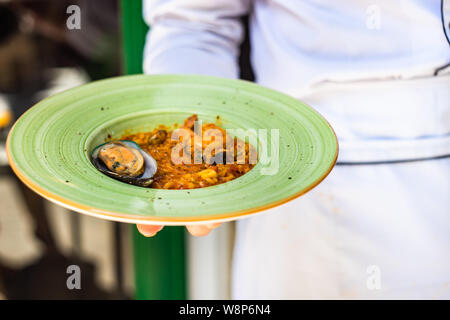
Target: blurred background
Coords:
[[45, 50], [40, 56]]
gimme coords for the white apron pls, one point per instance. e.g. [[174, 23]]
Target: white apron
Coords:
[[369, 66], [368, 230]]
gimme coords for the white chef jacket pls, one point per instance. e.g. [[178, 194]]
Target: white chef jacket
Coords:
[[378, 71]]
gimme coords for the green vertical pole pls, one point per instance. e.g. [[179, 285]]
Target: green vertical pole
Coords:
[[159, 262]]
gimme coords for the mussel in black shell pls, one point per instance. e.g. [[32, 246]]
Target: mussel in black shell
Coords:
[[125, 161]]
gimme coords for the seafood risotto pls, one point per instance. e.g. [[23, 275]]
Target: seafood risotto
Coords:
[[190, 156]]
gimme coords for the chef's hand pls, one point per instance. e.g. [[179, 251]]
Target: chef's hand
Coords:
[[198, 230]]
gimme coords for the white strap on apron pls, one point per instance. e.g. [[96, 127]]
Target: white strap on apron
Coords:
[[387, 120], [446, 18]]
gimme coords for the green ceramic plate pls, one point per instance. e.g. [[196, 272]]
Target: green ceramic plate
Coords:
[[49, 147]]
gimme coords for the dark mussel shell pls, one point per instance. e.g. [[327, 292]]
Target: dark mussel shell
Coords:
[[142, 178]]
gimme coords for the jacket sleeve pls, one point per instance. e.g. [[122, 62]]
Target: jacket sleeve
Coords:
[[193, 36]]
